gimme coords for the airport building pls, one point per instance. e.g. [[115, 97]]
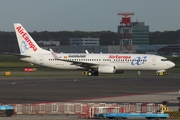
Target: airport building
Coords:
[[142, 49], [160, 49], [48, 43], [139, 33], [84, 41], [92, 49]]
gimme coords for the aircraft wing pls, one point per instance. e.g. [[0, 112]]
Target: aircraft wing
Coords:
[[81, 64], [78, 63], [19, 55]]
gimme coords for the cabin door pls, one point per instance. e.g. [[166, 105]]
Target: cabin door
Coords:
[[41, 60], [154, 61]]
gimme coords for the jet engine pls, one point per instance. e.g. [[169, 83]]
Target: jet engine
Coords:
[[106, 69]]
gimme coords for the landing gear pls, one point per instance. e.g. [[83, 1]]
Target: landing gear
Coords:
[[158, 73], [96, 73], [91, 73]]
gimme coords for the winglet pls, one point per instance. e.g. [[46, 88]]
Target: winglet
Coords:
[[86, 51], [54, 54]]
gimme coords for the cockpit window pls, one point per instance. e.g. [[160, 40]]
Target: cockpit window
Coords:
[[164, 60]]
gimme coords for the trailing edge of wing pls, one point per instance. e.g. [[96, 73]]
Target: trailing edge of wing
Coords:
[[19, 55], [79, 63]]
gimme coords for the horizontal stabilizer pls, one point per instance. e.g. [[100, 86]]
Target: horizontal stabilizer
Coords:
[[19, 55]]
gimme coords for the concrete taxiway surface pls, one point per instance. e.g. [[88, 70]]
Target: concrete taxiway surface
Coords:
[[106, 89], [36, 89]]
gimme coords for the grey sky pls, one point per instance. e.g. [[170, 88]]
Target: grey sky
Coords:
[[87, 15]]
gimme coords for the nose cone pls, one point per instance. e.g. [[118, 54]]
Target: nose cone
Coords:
[[171, 64]]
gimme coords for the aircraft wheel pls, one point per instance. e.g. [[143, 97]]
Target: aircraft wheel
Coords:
[[165, 73], [89, 73], [96, 73]]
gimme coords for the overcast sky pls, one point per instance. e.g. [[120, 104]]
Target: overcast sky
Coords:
[[87, 15]]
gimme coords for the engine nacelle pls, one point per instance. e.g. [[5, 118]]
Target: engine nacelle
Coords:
[[106, 69]]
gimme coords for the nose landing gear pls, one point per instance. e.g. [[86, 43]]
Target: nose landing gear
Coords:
[[161, 72]]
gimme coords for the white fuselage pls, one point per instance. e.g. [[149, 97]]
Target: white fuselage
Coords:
[[120, 61]]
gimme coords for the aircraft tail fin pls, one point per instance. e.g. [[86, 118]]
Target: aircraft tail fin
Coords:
[[26, 43]]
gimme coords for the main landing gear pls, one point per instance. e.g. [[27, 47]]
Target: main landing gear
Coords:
[[91, 73]]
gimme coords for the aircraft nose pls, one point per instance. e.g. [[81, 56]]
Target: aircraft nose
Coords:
[[171, 64]]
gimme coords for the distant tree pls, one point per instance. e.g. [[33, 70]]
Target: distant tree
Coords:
[[8, 41]]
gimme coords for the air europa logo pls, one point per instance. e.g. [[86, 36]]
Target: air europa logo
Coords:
[[119, 57], [26, 38], [139, 60]]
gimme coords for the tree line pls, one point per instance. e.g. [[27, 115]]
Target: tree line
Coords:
[[9, 42]]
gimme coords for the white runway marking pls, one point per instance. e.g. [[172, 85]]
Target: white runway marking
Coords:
[[13, 83]]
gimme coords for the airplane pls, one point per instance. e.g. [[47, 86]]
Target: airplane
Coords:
[[94, 64]]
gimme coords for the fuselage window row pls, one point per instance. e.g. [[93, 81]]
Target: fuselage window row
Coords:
[[100, 60]]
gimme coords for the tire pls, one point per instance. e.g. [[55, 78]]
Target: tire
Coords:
[[9, 113], [96, 73], [89, 73]]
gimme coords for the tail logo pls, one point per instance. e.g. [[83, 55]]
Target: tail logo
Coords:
[[27, 39], [24, 46]]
